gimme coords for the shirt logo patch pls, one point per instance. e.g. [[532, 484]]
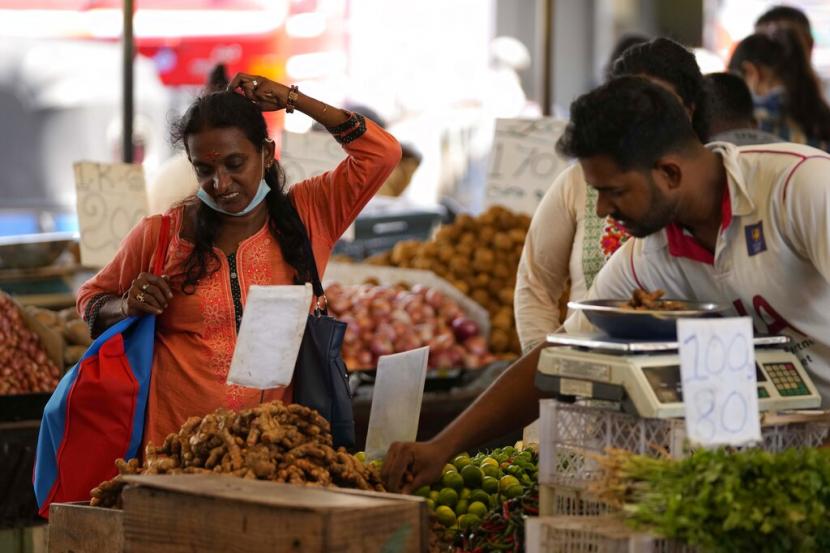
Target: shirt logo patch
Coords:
[[755, 242]]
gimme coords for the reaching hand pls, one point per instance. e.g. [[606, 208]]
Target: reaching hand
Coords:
[[267, 94], [410, 465]]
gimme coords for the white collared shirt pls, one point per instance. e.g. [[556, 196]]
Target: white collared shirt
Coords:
[[772, 256]]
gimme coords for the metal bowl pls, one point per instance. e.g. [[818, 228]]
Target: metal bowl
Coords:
[[33, 250], [616, 319]]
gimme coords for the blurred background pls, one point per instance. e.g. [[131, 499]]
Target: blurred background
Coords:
[[438, 73]]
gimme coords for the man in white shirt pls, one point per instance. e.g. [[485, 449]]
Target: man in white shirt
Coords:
[[748, 227], [742, 226]]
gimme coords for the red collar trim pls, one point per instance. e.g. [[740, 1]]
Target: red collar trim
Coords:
[[685, 245]]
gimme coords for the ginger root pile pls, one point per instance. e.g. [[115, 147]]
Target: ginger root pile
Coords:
[[277, 442]]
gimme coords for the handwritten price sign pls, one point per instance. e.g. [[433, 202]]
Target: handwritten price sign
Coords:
[[308, 155], [523, 162], [720, 392], [111, 199]]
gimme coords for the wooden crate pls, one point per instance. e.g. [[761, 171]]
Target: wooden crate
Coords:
[[206, 513], [79, 528]]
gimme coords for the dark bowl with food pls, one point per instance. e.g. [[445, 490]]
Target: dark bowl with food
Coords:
[[619, 320], [33, 250]]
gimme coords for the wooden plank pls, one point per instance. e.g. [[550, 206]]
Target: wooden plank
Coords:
[[261, 492], [162, 520], [79, 528]]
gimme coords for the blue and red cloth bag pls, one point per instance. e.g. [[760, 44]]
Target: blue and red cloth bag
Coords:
[[96, 414]]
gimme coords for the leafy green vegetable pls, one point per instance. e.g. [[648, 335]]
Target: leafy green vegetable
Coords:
[[721, 501]]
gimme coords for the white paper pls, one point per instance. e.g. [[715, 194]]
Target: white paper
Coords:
[[396, 400], [523, 162], [720, 390], [270, 335], [111, 199]]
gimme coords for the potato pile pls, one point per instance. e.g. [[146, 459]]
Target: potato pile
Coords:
[[479, 256], [24, 365], [69, 326], [274, 441]]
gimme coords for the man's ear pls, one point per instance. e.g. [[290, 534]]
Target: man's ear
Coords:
[[668, 173]]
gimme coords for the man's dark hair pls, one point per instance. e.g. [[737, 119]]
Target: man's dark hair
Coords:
[[629, 119], [786, 13], [624, 43], [671, 62], [730, 101]]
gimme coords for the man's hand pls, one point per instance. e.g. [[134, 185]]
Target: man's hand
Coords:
[[410, 465]]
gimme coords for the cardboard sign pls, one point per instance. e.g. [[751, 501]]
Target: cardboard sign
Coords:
[[308, 154], [270, 335], [720, 390], [111, 200], [523, 162], [396, 400]]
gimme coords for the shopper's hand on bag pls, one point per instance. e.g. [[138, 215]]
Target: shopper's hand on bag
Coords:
[[410, 465], [265, 93], [147, 294]]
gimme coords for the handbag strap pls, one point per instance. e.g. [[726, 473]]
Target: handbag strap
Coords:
[[162, 246], [316, 285]]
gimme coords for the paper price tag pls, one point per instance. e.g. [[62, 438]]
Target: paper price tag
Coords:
[[396, 400], [270, 335], [720, 393], [111, 200], [523, 162]]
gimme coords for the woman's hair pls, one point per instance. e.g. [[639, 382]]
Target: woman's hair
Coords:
[[231, 110], [784, 55], [665, 59]]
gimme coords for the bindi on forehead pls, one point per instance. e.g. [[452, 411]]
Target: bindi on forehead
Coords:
[[213, 155]]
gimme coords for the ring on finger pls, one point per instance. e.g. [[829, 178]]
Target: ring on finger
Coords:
[[145, 286], [255, 83], [140, 297]]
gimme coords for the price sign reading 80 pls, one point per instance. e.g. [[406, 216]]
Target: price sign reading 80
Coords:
[[717, 364]]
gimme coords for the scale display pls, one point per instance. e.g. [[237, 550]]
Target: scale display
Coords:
[[649, 383]]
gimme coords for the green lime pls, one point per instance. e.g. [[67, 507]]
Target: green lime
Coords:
[[490, 484], [433, 495], [478, 509], [494, 500], [430, 504], [449, 467], [515, 470], [461, 506], [507, 481], [445, 516], [508, 450], [360, 456], [452, 480], [448, 497], [489, 461], [461, 461], [480, 496], [526, 480], [513, 491], [423, 491], [472, 476], [468, 522], [465, 493], [377, 464], [491, 470]]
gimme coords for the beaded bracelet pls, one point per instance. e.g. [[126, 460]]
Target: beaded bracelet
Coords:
[[93, 308]]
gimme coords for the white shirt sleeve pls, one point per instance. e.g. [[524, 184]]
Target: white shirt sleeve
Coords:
[[544, 266], [806, 199]]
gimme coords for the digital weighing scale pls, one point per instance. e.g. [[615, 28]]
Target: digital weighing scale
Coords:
[[644, 376]]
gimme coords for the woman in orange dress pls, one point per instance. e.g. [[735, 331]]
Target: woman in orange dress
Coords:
[[242, 228]]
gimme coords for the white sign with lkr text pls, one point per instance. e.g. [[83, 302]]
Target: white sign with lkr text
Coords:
[[111, 200], [523, 162], [720, 389]]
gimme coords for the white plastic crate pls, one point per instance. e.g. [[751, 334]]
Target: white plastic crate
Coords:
[[563, 534], [568, 432]]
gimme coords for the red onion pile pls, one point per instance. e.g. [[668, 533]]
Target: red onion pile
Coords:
[[391, 319]]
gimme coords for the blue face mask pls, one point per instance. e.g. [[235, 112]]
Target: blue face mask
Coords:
[[261, 192]]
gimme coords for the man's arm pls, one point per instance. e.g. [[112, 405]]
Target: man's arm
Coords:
[[510, 402], [806, 212]]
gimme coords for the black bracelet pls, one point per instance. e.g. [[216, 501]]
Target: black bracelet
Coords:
[[93, 308]]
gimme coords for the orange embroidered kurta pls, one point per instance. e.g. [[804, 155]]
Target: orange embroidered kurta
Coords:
[[196, 334]]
